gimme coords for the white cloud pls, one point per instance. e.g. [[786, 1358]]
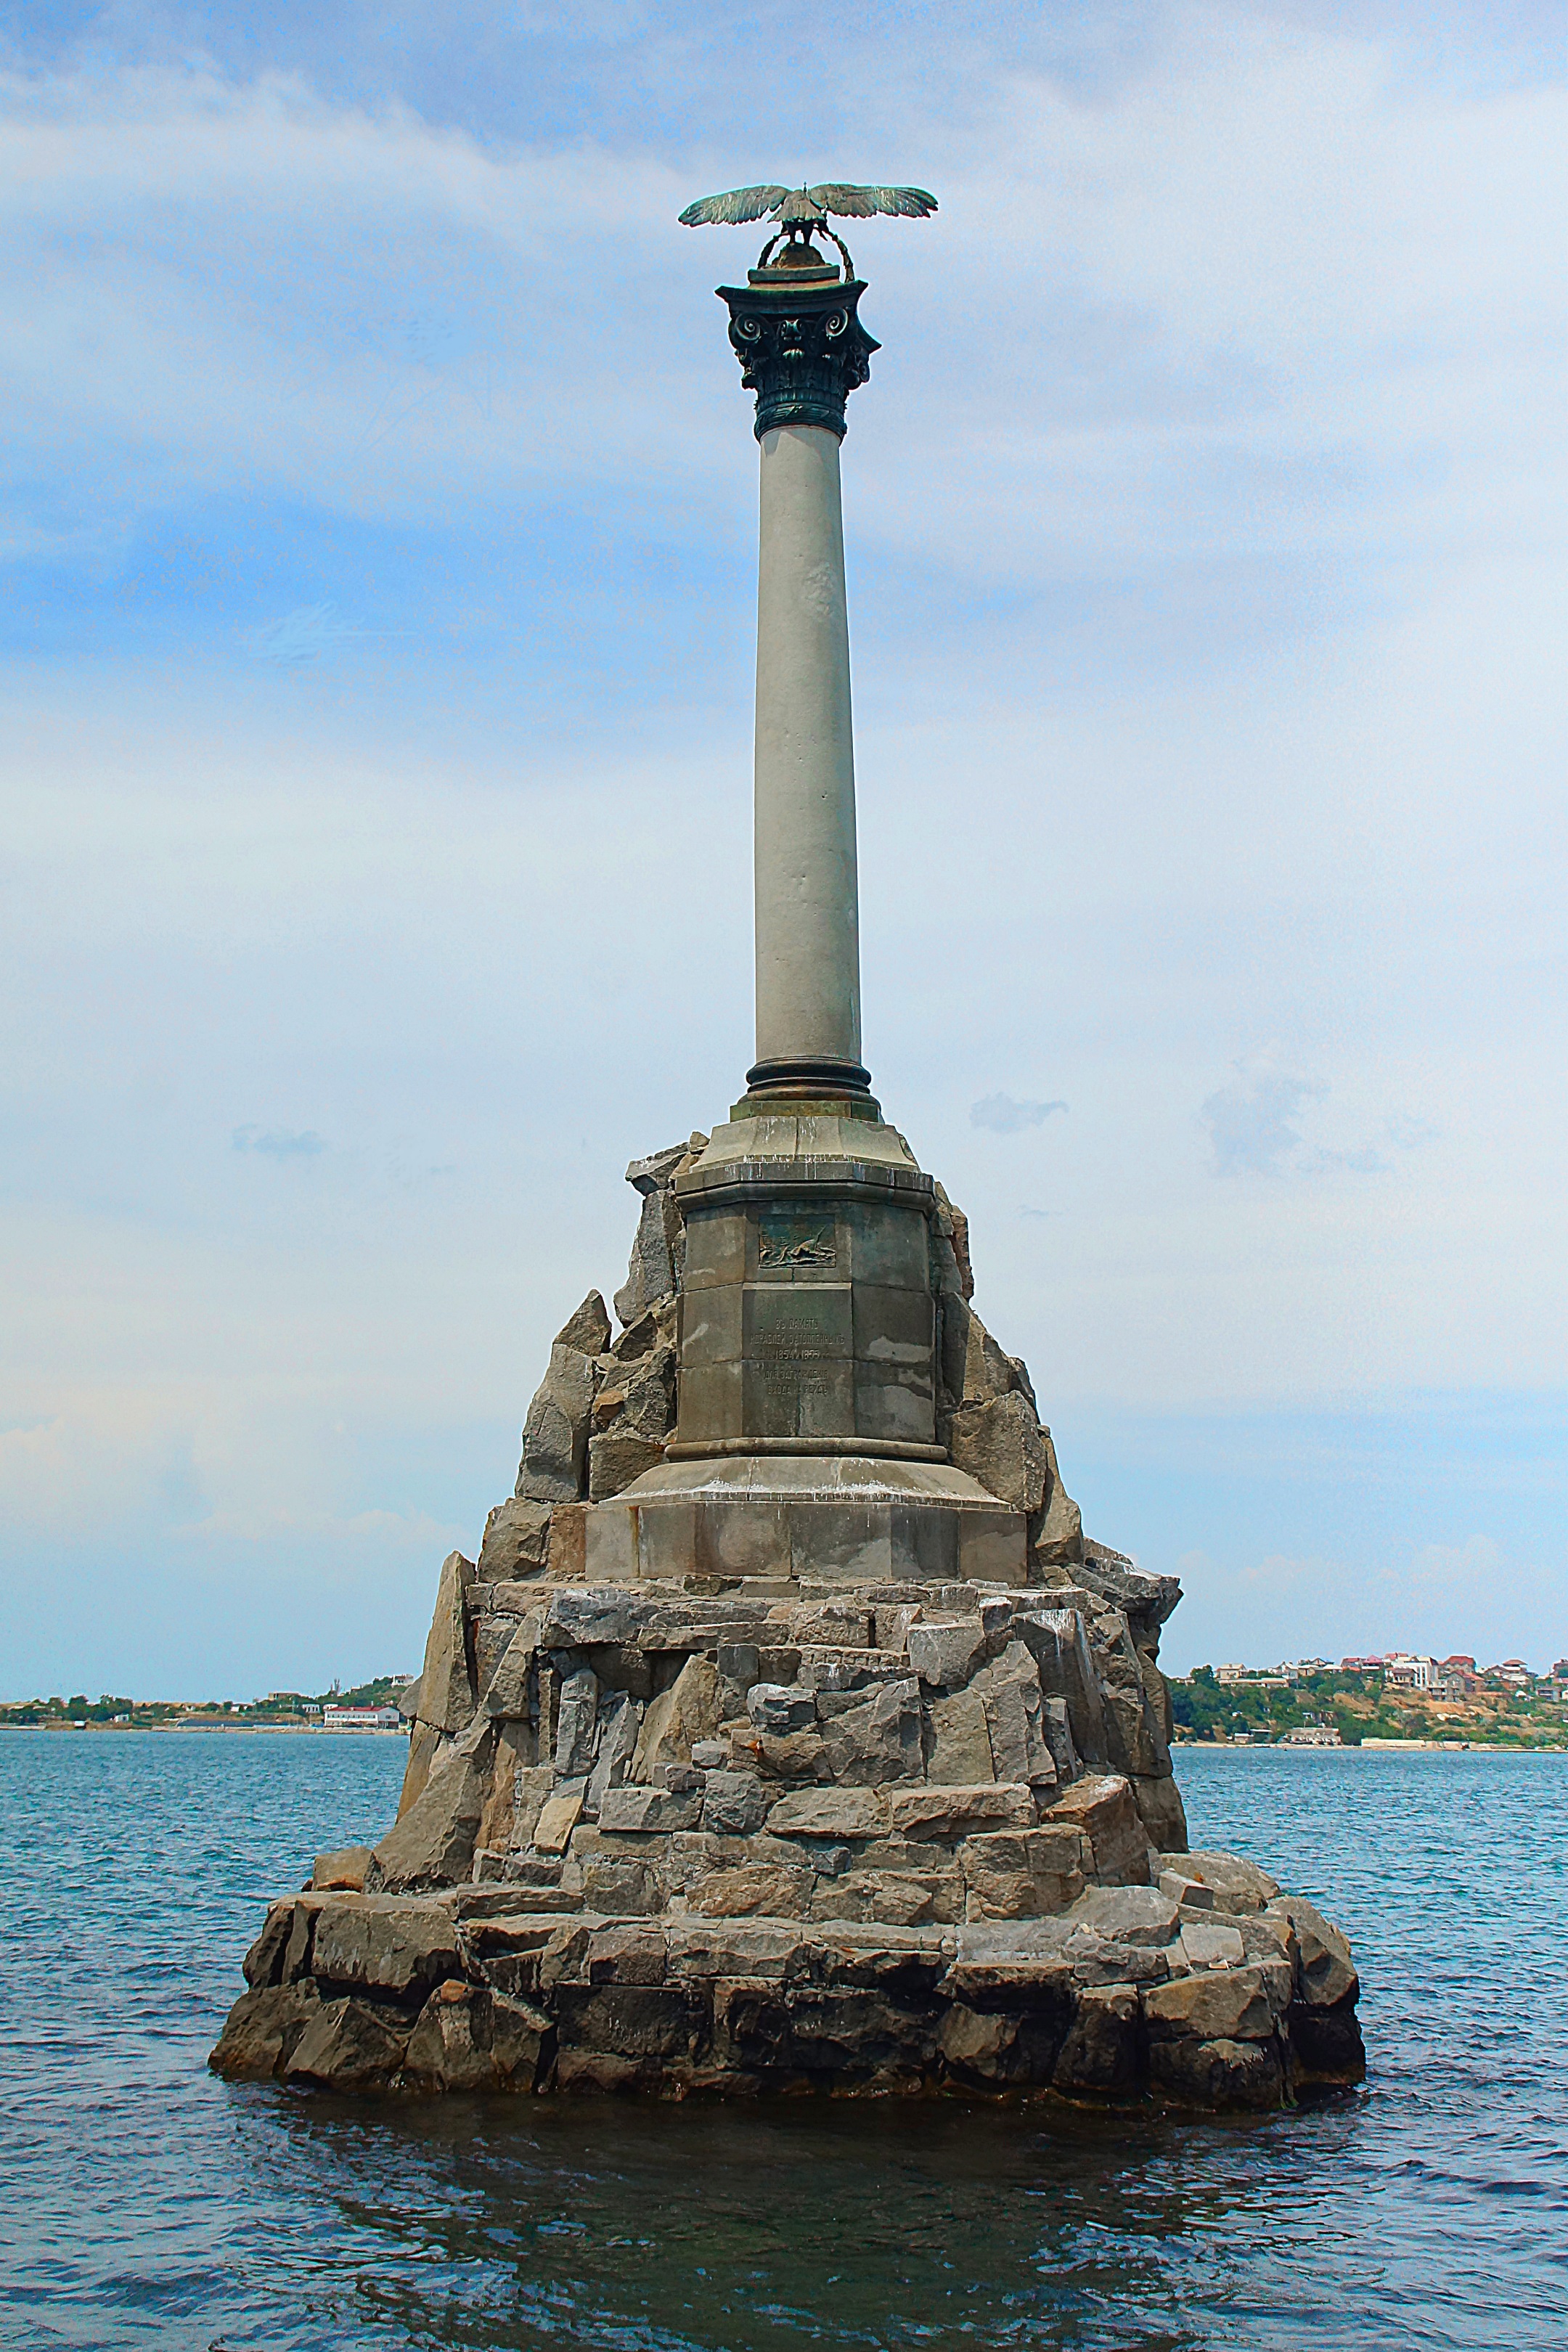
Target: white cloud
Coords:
[[1002, 1115]]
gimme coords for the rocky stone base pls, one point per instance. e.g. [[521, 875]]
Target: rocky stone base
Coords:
[[808, 1825], [1206, 1990]]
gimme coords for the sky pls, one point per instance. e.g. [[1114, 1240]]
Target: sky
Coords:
[[377, 541]]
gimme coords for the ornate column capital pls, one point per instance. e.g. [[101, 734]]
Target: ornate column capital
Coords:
[[801, 346]]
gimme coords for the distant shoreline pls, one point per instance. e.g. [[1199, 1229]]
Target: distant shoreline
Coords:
[[261, 1730]]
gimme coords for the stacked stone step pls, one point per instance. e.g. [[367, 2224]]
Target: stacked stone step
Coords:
[[1207, 1987]]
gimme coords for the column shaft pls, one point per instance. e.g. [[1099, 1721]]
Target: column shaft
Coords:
[[807, 911]]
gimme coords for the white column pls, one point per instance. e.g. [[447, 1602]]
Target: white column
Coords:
[[807, 906]]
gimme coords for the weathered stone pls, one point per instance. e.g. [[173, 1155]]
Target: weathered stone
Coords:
[[1218, 2073], [1058, 1530], [999, 1442], [555, 1435], [348, 2045], [619, 1456], [688, 1710], [1057, 1639], [1238, 1885], [1218, 2004], [1207, 1944], [798, 1756], [933, 1812], [879, 1742], [1009, 1690], [734, 1804], [649, 1810], [622, 1889], [517, 1537], [342, 1870], [396, 1951], [1103, 1809], [780, 1708], [626, 1956], [828, 1813], [577, 1724], [620, 1727], [433, 1844], [1103, 2050], [650, 1275], [446, 1692], [424, 1747], [512, 1692], [776, 1893], [1019, 1874], [1131, 1914], [263, 2030], [1325, 1970], [263, 1964], [472, 2039], [706, 1948], [531, 1790], [557, 1818], [1183, 1889], [946, 1656], [960, 1752]]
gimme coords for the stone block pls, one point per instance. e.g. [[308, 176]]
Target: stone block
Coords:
[[647, 1811], [1129, 1915], [828, 1813], [1238, 1885], [1325, 1970], [631, 2020], [715, 1250], [895, 1328], [1101, 1806], [396, 1951], [945, 1655], [1207, 1946], [349, 2045], [1103, 2048], [469, 2038], [1236, 2004], [734, 1804], [446, 1692], [516, 1539], [622, 1889], [886, 1247], [960, 1740], [555, 1435], [1057, 1640], [556, 1820], [894, 1400], [780, 1708], [1218, 2073], [770, 1890], [616, 1457], [999, 1443], [711, 1329], [1190, 1892], [1326, 2046], [933, 1811], [432, 1844], [702, 1949], [993, 1547], [625, 1954], [880, 1742], [262, 2030], [341, 1871]]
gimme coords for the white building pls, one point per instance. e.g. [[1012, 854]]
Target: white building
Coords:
[[1402, 1670], [360, 1718]]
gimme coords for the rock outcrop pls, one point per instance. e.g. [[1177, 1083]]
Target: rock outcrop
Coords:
[[758, 1833]]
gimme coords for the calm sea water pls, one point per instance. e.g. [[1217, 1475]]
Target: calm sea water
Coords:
[[146, 2205]]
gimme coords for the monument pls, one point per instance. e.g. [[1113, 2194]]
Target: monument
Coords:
[[787, 1731]]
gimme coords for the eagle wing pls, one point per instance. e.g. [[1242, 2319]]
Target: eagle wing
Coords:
[[740, 205], [860, 204]]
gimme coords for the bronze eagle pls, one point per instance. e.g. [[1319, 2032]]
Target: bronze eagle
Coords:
[[798, 208]]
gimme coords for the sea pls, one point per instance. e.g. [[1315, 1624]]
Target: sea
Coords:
[[144, 2204]]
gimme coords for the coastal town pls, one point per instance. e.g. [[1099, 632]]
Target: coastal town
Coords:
[[1401, 1699], [373, 1706]]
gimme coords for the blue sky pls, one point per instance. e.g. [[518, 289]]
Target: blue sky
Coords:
[[377, 561]]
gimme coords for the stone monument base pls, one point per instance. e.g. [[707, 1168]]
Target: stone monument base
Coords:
[[826, 1764]]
